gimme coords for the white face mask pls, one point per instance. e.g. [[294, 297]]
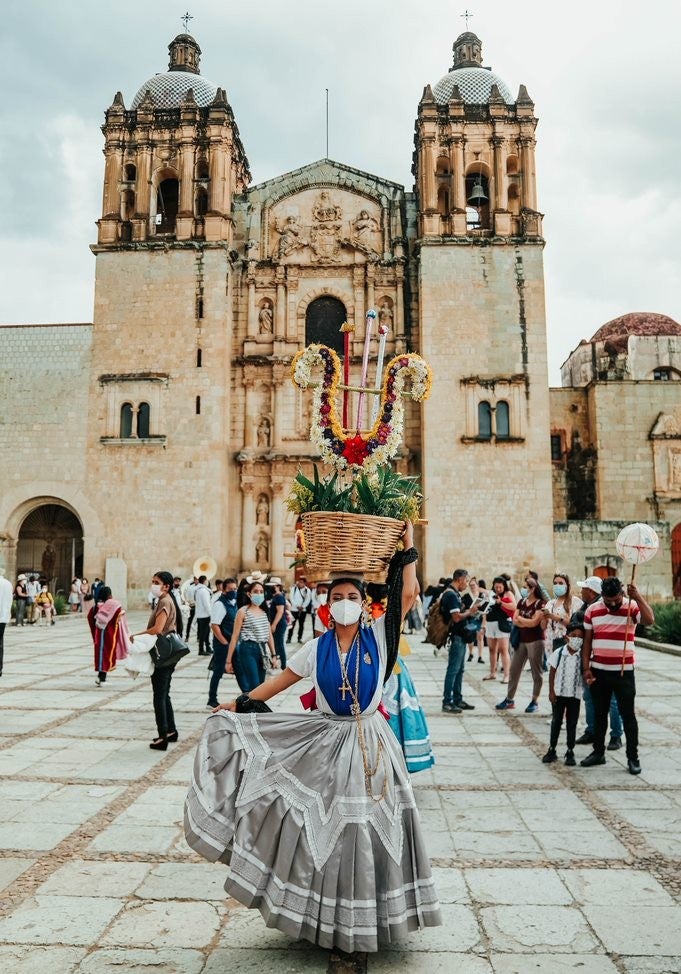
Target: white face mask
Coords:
[[575, 642], [322, 598], [345, 612], [156, 590]]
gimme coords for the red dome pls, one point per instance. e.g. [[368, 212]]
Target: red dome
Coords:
[[637, 323]]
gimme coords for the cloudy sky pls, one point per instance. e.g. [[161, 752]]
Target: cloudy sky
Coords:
[[605, 78]]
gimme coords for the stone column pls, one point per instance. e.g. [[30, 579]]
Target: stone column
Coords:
[[529, 177], [399, 308], [370, 276], [358, 288], [111, 202], [217, 177], [500, 193], [247, 523], [143, 185], [280, 304], [249, 379], [277, 527], [429, 194], [252, 318], [280, 373], [291, 303]]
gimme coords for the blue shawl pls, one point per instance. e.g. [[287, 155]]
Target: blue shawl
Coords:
[[330, 678]]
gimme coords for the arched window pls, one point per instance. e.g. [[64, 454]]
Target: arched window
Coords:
[[323, 319], [143, 421], [201, 202], [130, 173], [167, 199], [126, 421], [127, 204], [484, 421], [202, 169], [443, 201], [477, 200], [503, 429], [442, 167]]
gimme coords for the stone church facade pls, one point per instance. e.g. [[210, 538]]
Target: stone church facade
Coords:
[[169, 428]]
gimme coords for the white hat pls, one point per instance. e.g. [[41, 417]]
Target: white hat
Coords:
[[21, 578], [256, 576], [593, 583], [275, 580]]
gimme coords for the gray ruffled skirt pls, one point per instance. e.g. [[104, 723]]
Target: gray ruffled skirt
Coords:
[[281, 799]]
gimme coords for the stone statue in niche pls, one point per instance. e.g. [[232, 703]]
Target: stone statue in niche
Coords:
[[264, 432], [265, 318], [48, 560], [262, 510], [385, 315], [291, 237], [262, 549], [365, 230]]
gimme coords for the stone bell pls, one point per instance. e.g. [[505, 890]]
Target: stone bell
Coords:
[[478, 195]]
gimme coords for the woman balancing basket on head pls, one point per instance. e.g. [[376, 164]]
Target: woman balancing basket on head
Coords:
[[314, 813]]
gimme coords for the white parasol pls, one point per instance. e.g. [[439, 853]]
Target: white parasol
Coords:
[[636, 543]]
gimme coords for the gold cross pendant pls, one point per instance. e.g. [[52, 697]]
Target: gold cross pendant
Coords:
[[345, 689]]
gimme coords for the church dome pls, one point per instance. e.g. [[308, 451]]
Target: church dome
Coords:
[[637, 323], [475, 86], [170, 88]]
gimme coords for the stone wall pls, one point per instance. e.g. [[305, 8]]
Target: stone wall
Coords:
[[583, 546]]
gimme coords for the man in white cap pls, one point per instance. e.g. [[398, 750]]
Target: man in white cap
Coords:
[[590, 592], [5, 610]]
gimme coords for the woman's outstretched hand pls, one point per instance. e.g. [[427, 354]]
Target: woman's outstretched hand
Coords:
[[226, 706]]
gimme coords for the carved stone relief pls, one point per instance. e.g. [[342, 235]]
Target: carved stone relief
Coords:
[[264, 432], [262, 549], [266, 318], [262, 510], [366, 233]]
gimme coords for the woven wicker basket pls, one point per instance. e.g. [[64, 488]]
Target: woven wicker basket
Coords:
[[337, 542]]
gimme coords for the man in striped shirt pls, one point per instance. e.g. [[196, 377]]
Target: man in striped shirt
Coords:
[[607, 624]]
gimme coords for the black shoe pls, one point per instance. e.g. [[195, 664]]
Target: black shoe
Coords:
[[470, 658], [211, 705], [466, 706], [615, 743], [550, 756], [160, 744], [449, 708], [480, 659], [570, 759], [633, 766], [586, 738], [592, 759]]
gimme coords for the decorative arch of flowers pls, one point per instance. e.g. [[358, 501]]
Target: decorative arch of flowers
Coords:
[[358, 449]]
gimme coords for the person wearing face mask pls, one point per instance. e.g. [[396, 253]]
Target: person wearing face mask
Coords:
[[251, 647], [529, 620], [164, 618], [590, 590], [608, 664], [558, 612], [565, 689], [222, 616], [278, 623], [315, 812], [44, 605], [110, 634], [202, 599]]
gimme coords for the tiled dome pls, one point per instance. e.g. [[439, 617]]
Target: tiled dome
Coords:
[[475, 85], [637, 323], [170, 88]]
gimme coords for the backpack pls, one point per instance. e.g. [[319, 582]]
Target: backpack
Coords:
[[437, 627]]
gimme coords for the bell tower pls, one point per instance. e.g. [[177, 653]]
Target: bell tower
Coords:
[[174, 161], [482, 320], [160, 398]]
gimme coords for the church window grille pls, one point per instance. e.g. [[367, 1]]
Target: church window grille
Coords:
[[126, 421], [199, 356], [201, 202], [323, 319], [501, 418], [130, 173], [484, 421], [198, 405], [662, 374], [143, 417], [556, 448]]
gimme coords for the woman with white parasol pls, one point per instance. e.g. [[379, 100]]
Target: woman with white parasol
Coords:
[[608, 651]]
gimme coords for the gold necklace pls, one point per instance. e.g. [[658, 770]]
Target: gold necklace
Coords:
[[356, 711]]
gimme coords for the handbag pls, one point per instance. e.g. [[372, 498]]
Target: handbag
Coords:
[[515, 637], [168, 650], [244, 705]]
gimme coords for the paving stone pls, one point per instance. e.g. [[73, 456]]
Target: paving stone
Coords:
[[92, 878], [651, 965], [165, 961], [450, 885], [510, 886], [59, 920], [429, 962], [167, 924], [11, 868], [35, 960], [459, 932], [646, 931], [135, 838], [185, 881], [553, 963], [626, 887], [309, 960], [537, 929]]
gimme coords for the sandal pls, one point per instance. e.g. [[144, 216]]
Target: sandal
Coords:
[[160, 744], [172, 737], [490, 676]]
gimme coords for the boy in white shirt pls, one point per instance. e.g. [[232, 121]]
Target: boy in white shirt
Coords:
[[565, 689]]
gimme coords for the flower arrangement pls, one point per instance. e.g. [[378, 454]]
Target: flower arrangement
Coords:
[[379, 493], [357, 449]]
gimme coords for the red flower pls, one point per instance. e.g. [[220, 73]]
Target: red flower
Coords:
[[355, 450]]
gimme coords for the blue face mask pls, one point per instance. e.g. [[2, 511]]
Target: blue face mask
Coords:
[[231, 596], [524, 592], [258, 598], [559, 589]]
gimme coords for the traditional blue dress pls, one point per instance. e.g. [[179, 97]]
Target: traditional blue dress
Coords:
[[407, 718]]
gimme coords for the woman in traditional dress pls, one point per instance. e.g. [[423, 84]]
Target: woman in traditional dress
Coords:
[[315, 814], [110, 633]]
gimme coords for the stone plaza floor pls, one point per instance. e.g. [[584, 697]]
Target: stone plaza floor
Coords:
[[538, 868]]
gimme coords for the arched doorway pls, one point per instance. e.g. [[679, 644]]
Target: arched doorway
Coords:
[[604, 571], [676, 561], [323, 319], [50, 545]]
